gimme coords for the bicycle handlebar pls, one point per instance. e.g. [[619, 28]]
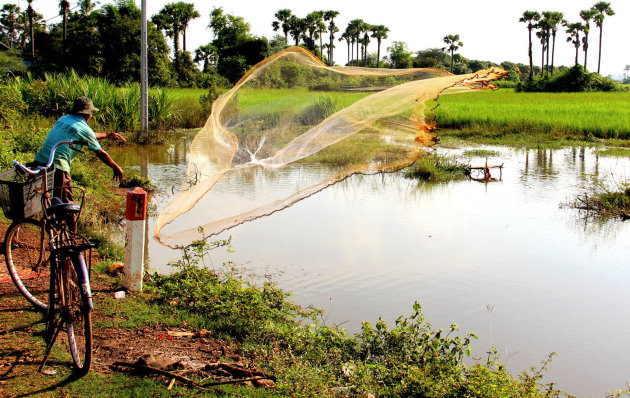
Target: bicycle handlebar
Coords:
[[39, 169]]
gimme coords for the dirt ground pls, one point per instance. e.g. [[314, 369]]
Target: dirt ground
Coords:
[[189, 353]]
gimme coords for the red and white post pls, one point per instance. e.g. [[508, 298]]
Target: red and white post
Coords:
[[134, 245]]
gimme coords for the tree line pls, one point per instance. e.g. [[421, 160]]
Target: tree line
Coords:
[[546, 24], [104, 42]]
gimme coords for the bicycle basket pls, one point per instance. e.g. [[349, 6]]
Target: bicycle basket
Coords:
[[19, 195]]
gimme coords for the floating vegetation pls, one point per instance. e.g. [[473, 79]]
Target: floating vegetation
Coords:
[[482, 153], [618, 152], [605, 204], [437, 168]]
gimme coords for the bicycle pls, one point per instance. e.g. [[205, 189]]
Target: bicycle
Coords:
[[47, 251]]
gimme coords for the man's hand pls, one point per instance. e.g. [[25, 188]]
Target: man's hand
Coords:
[[118, 173], [116, 137]]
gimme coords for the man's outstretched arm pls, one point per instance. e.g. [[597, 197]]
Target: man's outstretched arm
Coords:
[[104, 157]]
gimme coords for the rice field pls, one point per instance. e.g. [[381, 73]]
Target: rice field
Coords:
[[597, 114]]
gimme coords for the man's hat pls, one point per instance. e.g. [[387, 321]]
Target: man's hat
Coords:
[[83, 105]]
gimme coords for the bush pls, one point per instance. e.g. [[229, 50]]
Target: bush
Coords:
[[11, 104], [575, 79], [323, 107]]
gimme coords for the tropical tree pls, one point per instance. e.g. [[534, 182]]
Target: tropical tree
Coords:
[[185, 13], [544, 33], [87, 6], [31, 14], [603, 9], [319, 33], [365, 42], [330, 16], [348, 38], [554, 18], [9, 15], [587, 16], [206, 54], [399, 55], [452, 44], [64, 6], [283, 18], [379, 32], [297, 27], [355, 28], [573, 31], [530, 18]]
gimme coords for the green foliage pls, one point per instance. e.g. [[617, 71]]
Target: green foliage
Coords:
[[323, 107], [208, 99], [10, 62], [118, 106], [603, 202], [232, 306], [134, 180], [437, 168], [411, 359], [399, 55], [11, 104], [575, 79]]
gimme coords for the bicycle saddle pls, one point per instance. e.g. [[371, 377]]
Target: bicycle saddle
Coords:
[[58, 207]]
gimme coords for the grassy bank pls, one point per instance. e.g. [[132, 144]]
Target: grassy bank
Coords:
[[493, 115], [259, 325]]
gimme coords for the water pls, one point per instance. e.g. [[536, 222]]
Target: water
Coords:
[[501, 259]]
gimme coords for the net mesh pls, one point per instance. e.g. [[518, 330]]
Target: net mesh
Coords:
[[293, 126]]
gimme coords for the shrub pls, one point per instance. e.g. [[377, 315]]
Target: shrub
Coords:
[[575, 79], [11, 104]]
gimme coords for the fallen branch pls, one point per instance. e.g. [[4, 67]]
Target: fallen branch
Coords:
[[192, 383]]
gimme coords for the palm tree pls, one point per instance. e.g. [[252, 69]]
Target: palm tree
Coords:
[[31, 13], [87, 6], [9, 19], [186, 12], [587, 16], [366, 41], [573, 31], [554, 19], [348, 38], [207, 54], [603, 9], [379, 32], [453, 44], [543, 34], [320, 29], [330, 16], [282, 21], [530, 17], [297, 26], [356, 28], [64, 5]]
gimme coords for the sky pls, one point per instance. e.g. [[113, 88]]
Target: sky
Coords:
[[488, 33]]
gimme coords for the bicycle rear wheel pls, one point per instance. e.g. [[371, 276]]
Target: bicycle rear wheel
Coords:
[[77, 316], [26, 252]]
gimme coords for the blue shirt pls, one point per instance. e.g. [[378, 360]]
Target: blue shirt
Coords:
[[69, 127]]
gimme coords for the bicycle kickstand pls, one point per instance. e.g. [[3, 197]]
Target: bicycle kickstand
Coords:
[[49, 347]]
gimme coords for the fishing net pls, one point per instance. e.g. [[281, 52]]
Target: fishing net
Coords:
[[293, 126]]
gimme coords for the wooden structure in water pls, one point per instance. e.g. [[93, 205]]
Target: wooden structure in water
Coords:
[[484, 171]]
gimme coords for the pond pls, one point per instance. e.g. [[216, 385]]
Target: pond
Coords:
[[503, 259]]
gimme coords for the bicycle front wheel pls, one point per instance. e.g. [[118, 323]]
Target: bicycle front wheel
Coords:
[[26, 252], [77, 315]]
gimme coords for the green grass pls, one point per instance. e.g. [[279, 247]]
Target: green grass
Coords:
[[436, 168], [578, 115], [288, 99], [618, 152]]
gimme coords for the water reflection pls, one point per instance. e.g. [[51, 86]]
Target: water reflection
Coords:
[[370, 246]]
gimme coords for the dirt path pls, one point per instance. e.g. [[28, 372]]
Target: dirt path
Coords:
[[22, 345]]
